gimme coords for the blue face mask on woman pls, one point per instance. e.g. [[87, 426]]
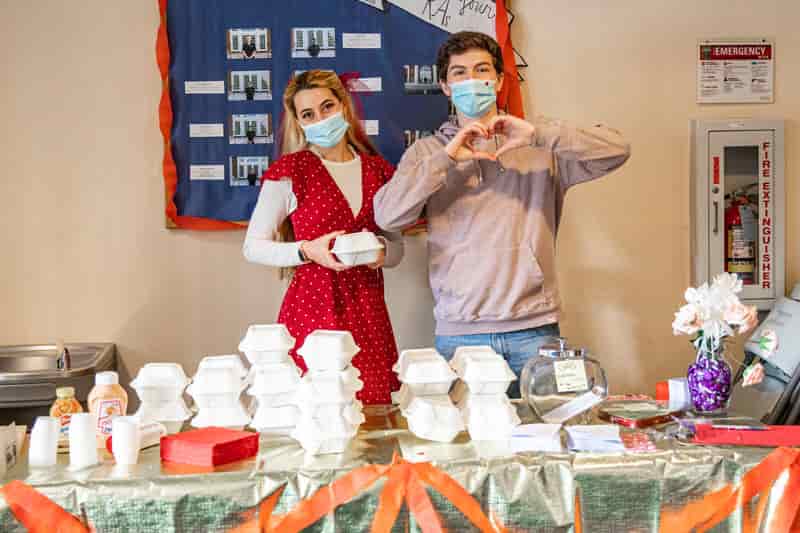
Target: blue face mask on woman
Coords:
[[472, 97], [327, 133]]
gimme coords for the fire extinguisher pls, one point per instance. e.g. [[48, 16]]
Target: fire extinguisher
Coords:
[[740, 239]]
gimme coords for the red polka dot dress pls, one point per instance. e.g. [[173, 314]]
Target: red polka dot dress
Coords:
[[321, 298]]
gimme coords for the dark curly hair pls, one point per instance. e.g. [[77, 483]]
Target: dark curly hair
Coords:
[[460, 42]]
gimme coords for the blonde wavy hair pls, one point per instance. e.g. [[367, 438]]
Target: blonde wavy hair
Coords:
[[293, 139]]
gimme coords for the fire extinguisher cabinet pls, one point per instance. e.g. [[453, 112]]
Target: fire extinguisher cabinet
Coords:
[[738, 211]]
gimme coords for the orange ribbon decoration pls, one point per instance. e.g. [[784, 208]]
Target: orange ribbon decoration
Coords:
[[709, 511], [37, 512], [405, 482]]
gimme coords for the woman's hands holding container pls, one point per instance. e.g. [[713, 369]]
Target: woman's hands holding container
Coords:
[[319, 251]]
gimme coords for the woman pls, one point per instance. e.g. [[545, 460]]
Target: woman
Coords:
[[322, 187]]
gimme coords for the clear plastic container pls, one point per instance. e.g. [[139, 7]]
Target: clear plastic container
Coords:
[[360, 248], [434, 419], [561, 383], [267, 343], [328, 350]]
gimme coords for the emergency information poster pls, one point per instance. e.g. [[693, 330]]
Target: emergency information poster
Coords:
[[735, 72]]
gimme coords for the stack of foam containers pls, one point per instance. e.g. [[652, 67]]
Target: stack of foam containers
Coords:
[[326, 397], [481, 393], [160, 388], [216, 389], [274, 378], [426, 379]]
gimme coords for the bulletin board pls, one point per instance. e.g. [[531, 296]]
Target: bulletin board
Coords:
[[224, 65]]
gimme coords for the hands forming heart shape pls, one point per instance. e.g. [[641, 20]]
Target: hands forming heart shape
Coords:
[[517, 133]]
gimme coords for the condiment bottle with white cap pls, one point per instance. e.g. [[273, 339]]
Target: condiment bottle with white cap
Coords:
[[106, 401]]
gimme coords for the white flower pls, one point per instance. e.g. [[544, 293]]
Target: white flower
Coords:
[[768, 342], [744, 317], [753, 375], [687, 320], [728, 282]]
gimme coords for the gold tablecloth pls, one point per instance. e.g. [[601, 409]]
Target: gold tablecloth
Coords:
[[527, 491]]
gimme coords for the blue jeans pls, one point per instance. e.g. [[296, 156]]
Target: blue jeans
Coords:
[[516, 347]]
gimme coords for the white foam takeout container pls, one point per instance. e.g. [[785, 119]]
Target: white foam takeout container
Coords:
[[360, 248], [160, 382], [329, 387], [318, 437], [274, 400], [350, 413], [489, 416], [267, 343], [482, 369], [227, 417], [232, 361], [171, 415], [434, 418], [424, 372], [274, 378], [216, 381], [328, 350], [275, 420], [404, 397]]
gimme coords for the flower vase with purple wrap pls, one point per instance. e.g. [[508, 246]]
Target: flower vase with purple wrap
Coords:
[[713, 313], [710, 382]]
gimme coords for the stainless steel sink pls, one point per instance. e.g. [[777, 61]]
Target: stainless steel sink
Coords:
[[29, 376]]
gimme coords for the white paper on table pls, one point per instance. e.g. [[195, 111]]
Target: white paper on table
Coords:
[[596, 438], [536, 438], [574, 407]]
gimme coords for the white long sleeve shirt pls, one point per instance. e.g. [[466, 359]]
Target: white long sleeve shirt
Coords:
[[277, 201]]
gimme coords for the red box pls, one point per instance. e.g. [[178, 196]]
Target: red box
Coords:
[[767, 436], [209, 446]]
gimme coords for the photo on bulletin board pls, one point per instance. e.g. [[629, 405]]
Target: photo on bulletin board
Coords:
[[249, 43], [224, 67]]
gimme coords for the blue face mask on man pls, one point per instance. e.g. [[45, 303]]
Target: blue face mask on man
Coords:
[[327, 133], [473, 97]]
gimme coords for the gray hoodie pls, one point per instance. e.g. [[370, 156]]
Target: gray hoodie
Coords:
[[492, 225]]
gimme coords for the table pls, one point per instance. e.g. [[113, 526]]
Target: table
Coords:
[[528, 492]]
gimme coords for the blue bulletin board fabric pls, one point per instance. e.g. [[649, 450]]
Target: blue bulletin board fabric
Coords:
[[202, 48]]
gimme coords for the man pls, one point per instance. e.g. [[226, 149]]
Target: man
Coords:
[[492, 188]]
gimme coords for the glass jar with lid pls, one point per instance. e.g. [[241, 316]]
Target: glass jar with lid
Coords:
[[562, 383]]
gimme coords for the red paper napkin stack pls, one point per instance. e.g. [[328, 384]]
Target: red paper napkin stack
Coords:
[[210, 446]]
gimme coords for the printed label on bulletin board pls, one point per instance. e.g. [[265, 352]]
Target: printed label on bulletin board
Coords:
[[735, 72]]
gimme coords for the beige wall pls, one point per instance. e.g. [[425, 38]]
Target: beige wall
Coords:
[[85, 254]]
